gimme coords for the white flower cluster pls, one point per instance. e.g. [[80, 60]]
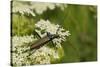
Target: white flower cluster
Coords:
[[19, 45], [34, 7], [42, 55], [22, 7], [47, 26], [18, 41]]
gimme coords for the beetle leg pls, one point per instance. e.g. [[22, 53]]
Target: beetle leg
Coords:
[[35, 33]]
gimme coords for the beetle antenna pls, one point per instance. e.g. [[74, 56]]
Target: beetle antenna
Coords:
[[35, 33]]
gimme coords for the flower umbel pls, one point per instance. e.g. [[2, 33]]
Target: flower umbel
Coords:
[[47, 26], [34, 8]]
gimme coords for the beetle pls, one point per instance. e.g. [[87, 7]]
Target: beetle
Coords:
[[44, 40]]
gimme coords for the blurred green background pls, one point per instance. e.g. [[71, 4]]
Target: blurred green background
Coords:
[[80, 20]]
